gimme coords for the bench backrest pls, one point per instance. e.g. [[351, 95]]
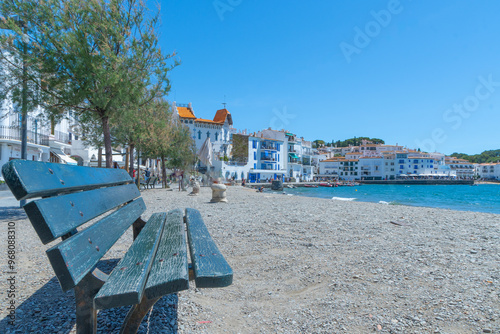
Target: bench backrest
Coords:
[[72, 196]]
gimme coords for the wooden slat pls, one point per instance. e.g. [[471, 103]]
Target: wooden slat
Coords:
[[169, 272], [210, 268], [125, 285], [28, 179], [53, 217], [73, 258]]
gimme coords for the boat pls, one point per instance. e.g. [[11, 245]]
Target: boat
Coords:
[[323, 184], [310, 186]]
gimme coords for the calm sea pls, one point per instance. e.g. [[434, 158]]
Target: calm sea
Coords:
[[481, 198]]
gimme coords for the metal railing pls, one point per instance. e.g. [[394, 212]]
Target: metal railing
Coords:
[[62, 137], [268, 147], [14, 133], [235, 163]]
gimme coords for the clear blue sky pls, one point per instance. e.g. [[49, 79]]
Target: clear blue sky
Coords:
[[417, 73]]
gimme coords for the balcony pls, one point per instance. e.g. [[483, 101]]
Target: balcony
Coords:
[[268, 147], [235, 163], [306, 162], [62, 137], [294, 161], [267, 158], [14, 133]]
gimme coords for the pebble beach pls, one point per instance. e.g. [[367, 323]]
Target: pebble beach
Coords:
[[301, 265]]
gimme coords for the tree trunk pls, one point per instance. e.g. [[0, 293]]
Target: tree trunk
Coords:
[[138, 173], [127, 159], [131, 170], [163, 171], [107, 142], [99, 157]]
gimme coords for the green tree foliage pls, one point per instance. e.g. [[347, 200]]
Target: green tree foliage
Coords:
[[240, 148], [356, 141], [182, 151], [91, 57], [485, 157], [318, 143]]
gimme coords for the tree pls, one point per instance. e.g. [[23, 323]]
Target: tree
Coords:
[[91, 57], [318, 143], [484, 157], [182, 152], [158, 141]]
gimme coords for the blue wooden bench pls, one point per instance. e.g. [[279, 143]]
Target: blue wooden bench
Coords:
[[156, 264], [150, 183]]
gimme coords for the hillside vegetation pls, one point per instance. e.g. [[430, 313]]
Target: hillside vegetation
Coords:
[[485, 157]]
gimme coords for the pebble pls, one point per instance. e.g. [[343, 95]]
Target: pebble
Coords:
[[324, 268]]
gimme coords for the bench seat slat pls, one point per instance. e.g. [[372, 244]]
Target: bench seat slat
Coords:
[[169, 272], [210, 267], [125, 285], [73, 258], [42, 179], [53, 217]]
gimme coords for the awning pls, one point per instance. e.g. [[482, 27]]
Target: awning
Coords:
[[60, 154], [289, 134], [293, 155]]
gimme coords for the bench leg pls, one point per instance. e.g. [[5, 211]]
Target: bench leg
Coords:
[[136, 314], [85, 291]]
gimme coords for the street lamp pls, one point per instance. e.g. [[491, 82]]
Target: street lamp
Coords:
[[24, 105]]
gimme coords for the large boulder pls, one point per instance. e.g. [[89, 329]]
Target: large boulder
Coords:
[[277, 185]]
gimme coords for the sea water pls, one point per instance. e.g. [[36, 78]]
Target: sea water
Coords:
[[481, 198]]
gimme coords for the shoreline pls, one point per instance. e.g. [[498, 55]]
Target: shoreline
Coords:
[[306, 264], [391, 202]]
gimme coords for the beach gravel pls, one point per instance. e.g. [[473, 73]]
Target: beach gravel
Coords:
[[301, 265]]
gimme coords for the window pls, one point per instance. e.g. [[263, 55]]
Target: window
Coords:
[[278, 147], [255, 155], [254, 166], [254, 144], [278, 156], [216, 136], [199, 134], [208, 134]]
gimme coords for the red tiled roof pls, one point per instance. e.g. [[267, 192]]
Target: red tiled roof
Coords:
[[185, 112], [221, 115]]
